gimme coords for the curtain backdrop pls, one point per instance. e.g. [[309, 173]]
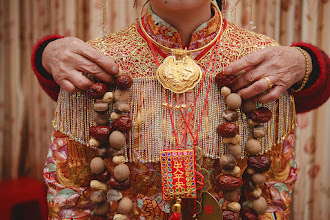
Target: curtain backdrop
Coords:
[[26, 112]]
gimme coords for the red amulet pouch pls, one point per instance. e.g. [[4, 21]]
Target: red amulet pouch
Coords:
[[178, 174]]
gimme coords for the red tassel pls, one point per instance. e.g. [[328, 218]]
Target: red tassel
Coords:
[[175, 216]]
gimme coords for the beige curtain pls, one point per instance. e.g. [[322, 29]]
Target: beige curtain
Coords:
[[26, 111]]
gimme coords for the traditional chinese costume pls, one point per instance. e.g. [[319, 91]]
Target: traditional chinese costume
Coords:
[[67, 172]]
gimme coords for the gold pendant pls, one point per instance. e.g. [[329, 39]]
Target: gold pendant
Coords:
[[179, 75]]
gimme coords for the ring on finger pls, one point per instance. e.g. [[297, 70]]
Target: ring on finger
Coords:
[[270, 84]]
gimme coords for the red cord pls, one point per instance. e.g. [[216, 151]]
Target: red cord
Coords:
[[177, 216]]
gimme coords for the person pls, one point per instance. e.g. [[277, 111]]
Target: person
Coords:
[[135, 51]]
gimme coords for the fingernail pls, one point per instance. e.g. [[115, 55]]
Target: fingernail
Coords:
[[228, 70], [114, 70]]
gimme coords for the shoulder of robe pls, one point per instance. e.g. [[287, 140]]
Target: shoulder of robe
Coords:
[[247, 40], [122, 42]]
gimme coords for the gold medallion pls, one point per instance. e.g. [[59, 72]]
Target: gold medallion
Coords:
[[179, 75], [211, 209]]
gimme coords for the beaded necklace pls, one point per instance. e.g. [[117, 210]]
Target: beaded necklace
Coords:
[[109, 141]]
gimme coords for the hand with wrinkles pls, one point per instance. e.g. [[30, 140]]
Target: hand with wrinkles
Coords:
[[67, 58], [283, 66]]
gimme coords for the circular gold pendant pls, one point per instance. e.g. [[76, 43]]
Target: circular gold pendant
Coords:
[[179, 75]]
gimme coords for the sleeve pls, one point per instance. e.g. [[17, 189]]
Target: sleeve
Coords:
[[45, 79], [317, 89]]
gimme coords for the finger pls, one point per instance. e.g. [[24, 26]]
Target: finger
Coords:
[[246, 78], [68, 86], [96, 56], [255, 89], [247, 61], [79, 80], [88, 66], [273, 95]]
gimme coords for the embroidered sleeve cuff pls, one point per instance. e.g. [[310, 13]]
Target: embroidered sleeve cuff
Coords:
[[45, 79], [317, 90]]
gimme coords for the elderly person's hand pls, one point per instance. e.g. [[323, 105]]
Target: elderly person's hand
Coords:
[[67, 58], [283, 66]]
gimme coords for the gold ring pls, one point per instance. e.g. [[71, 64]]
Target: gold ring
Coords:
[[270, 84]]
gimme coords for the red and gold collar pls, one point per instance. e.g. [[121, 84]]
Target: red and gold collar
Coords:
[[167, 35]]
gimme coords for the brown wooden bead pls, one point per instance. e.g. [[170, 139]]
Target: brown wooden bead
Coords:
[[121, 107], [101, 106], [102, 209], [259, 178], [97, 197], [97, 165], [231, 195], [233, 101], [259, 132], [259, 205], [248, 106], [227, 162], [253, 146], [101, 118], [125, 206], [117, 139], [121, 172], [121, 95], [234, 150]]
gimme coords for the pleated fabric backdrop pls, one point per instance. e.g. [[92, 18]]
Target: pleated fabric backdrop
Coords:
[[26, 112]]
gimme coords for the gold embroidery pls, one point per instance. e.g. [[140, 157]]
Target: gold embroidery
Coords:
[[152, 131], [75, 172]]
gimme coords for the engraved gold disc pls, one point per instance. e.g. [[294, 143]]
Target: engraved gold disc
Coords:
[[179, 75]]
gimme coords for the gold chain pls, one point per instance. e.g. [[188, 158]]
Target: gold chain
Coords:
[[176, 50], [104, 18]]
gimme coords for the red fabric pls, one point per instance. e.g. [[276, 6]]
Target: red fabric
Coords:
[[319, 92], [175, 216], [22, 191], [48, 85]]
